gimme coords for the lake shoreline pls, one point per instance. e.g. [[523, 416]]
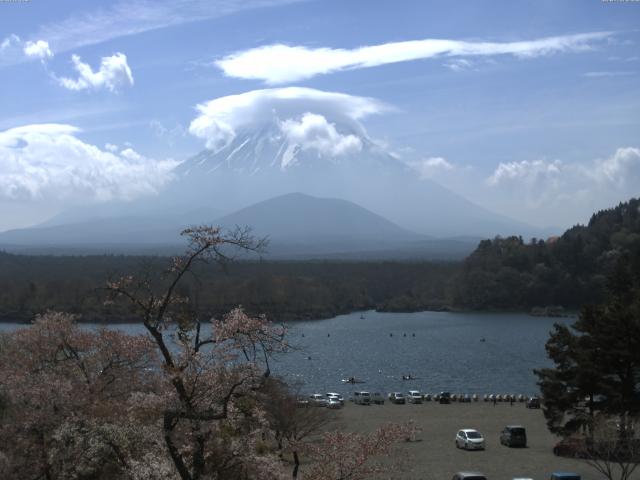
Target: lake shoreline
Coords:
[[133, 319]]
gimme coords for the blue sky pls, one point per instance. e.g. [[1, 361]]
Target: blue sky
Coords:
[[531, 109]]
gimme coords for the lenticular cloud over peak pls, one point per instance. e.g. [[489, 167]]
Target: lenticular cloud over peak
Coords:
[[220, 119]]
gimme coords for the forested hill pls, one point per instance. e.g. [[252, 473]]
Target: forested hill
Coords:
[[504, 273], [569, 271]]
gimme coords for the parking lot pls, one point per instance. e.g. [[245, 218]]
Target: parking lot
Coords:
[[434, 455]]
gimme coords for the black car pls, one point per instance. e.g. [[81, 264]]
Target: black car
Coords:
[[533, 402], [514, 436], [469, 476], [445, 397]]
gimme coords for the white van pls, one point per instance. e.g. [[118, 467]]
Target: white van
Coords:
[[317, 400], [414, 396], [361, 398]]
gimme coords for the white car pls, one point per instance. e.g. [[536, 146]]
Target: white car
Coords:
[[361, 398], [377, 398], [469, 439], [334, 403], [337, 396], [397, 397], [414, 396], [317, 400]]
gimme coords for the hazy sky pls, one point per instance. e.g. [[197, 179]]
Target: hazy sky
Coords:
[[531, 109]]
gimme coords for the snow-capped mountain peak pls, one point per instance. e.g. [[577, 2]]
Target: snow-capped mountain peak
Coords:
[[303, 141]]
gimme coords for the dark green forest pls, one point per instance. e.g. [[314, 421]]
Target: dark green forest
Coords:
[[501, 274], [568, 271], [282, 290]]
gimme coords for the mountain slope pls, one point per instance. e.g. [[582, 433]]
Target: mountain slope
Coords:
[[300, 217], [100, 231], [298, 226], [260, 163]]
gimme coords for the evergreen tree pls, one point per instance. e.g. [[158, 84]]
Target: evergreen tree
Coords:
[[597, 360]]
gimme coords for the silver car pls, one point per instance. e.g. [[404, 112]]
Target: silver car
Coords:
[[469, 439]]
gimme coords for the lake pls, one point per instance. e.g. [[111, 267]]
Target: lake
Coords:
[[443, 350]]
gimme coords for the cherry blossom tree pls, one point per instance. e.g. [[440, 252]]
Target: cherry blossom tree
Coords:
[[61, 384], [191, 399], [211, 418]]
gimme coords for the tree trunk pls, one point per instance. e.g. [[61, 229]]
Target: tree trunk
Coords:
[[296, 464]]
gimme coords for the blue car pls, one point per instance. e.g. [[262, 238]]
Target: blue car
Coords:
[[564, 476]]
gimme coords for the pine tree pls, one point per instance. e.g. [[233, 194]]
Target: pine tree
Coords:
[[597, 360]]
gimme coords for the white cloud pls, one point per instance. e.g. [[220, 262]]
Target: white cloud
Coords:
[[13, 49], [38, 49], [313, 131], [458, 64], [525, 171], [219, 119], [110, 147], [114, 73], [542, 183], [278, 63], [9, 42], [607, 74], [107, 21], [49, 162], [431, 167], [170, 135], [620, 170]]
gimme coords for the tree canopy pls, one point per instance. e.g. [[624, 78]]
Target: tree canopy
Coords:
[[597, 359]]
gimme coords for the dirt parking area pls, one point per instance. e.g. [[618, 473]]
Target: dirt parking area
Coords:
[[434, 455]]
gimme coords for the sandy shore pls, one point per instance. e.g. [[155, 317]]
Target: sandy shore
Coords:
[[434, 455]]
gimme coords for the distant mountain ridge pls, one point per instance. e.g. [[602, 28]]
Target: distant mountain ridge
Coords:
[[297, 225]]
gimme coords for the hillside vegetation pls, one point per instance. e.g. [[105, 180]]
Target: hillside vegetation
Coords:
[[501, 274], [569, 271]]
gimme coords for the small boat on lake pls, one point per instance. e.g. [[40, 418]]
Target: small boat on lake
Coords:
[[352, 380]]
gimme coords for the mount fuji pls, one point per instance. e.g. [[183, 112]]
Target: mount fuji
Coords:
[[266, 160], [351, 196]]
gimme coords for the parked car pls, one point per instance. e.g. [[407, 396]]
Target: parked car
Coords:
[[574, 447], [533, 402], [334, 403], [337, 396], [514, 436], [317, 400], [565, 476], [469, 439], [444, 397], [427, 397], [414, 396], [466, 398], [469, 476], [377, 398], [397, 397], [361, 398]]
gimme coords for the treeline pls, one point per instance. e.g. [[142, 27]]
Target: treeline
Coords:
[[569, 271], [501, 274], [282, 290]]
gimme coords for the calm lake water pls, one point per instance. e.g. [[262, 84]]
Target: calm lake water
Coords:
[[446, 352]]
